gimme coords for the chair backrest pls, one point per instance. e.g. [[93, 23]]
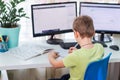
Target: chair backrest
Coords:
[[97, 70]]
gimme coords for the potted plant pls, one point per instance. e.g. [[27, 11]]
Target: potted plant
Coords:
[[10, 14]]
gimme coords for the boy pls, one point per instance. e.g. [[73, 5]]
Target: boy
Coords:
[[78, 59]]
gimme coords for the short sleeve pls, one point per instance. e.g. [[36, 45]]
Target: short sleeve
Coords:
[[70, 60]]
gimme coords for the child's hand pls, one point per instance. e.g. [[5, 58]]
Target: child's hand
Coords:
[[71, 49], [53, 54]]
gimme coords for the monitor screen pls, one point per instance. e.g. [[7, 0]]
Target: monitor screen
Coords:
[[106, 16], [53, 18]]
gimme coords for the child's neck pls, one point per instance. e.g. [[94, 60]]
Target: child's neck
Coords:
[[86, 43]]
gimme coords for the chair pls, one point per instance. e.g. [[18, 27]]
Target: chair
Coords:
[[97, 70]]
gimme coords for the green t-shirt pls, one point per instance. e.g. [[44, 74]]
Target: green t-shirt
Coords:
[[79, 59]]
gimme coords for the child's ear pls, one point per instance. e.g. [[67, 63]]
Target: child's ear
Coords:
[[76, 34]]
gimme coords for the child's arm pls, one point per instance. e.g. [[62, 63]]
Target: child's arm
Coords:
[[55, 63]]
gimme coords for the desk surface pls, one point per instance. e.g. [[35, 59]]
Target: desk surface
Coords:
[[9, 62]]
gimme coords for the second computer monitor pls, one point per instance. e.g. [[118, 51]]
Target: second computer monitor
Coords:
[[106, 16]]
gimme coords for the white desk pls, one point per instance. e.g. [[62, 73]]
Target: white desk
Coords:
[[8, 62]]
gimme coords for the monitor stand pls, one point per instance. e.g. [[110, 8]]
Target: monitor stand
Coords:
[[103, 38], [53, 40]]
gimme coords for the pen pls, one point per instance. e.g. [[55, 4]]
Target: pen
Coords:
[[4, 38], [76, 45], [33, 56]]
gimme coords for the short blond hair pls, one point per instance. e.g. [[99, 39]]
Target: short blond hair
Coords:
[[84, 25]]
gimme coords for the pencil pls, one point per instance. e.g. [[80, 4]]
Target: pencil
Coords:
[[76, 45]]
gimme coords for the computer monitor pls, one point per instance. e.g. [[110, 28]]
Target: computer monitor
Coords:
[[53, 18], [106, 16]]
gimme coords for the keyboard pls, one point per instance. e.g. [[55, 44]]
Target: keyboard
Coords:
[[67, 45], [26, 52]]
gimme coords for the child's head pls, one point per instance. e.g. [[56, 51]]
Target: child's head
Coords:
[[84, 26]]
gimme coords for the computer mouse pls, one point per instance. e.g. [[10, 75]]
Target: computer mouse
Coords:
[[114, 47]]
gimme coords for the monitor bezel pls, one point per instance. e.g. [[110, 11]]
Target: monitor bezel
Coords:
[[55, 32], [100, 31]]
